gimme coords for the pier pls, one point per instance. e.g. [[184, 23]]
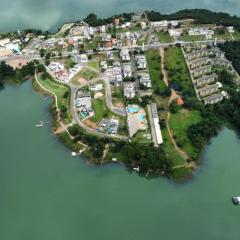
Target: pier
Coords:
[[41, 124]]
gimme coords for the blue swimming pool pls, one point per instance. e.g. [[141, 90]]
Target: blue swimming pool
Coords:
[[141, 117], [133, 109]]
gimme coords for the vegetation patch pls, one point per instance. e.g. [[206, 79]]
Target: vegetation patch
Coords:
[[87, 74], [68, 63], [154, 65], [179, 124], [63, 94], [94, 64], [164, 37], [117, 96], [179, 75]]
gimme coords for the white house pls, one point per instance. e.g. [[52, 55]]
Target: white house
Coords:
[[160, 24], [83, 58], [200, 31], [129, 90], [174, 32], [124, 54], [230, 29], [96, 87], [141, 62], [127, 70]]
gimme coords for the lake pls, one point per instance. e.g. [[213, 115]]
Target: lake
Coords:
[[47, 194], [50, 14]]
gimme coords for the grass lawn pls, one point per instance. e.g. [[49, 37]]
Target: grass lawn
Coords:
[[180, 173], [87, 74], [135, 28], [162, 104], [59, 90], [170, 150], [177, 69], [117, 96], [94, 64], [163, 37], [68, 63], [142, 40], [92, 44], [188, 38], [179, 124], [236, 35], [140, 138], [68, 142], [222, 36], [154, 66]]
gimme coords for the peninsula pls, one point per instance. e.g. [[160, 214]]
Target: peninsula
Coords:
[[144, 89]]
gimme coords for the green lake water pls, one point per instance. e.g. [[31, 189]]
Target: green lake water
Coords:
[[49, 14], [45, 194]]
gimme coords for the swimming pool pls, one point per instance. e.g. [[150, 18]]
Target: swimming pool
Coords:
[[133, 109], [142, 117]]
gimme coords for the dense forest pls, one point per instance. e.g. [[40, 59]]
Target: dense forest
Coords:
[[93, 20], [200, 15], [147, 157], [10, 75], [232, 53]]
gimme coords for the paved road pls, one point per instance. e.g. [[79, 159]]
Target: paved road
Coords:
[[116, 110], [65, 54], [77, 120]]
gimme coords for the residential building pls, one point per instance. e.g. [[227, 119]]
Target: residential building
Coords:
[[200, 31], [198, 72], [156, 124], [213, 99], [127, 70], [145, 80], [230, 29], [83, 104], [96, 87], [102, 29], [124, 54], [210, 89], [129, 90], [103, 65], [197, 54], [175, 32], [114, 74], [141, 62], [4, 41], [206, 79], [83, 58], [200, 62], [160, 24], [174, 23], [143, 25], [222, 62]]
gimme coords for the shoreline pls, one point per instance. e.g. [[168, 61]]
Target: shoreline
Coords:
[[92, 162], [181, 154]]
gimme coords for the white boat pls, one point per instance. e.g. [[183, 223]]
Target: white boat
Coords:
[[74, 154], [39, 125], [236, 200], [137, 169]]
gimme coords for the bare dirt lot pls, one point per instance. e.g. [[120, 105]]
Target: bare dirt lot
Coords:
[[17, 63]]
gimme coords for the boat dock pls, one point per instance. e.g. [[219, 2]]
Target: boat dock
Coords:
[[41, 124]]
